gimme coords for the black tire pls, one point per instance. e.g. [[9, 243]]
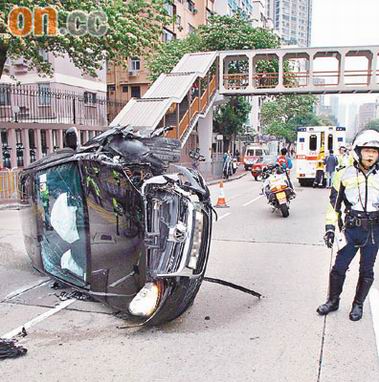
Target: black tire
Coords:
[[256, 177], [246, 168], [302, 182], [284, 210]]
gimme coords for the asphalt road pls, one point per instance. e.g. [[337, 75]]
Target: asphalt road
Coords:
[[226, 335]]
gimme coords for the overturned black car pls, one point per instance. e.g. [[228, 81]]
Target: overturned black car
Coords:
[[109, 219]]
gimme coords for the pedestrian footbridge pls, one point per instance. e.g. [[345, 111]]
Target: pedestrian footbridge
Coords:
[[180, 98]]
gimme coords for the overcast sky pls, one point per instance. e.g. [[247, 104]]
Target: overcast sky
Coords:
[[346, 23]]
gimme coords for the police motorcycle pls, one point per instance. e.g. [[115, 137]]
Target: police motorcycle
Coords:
[[108, 219], [278, 188]]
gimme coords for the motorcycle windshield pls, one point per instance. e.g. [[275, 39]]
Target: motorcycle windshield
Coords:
[[61, 222]]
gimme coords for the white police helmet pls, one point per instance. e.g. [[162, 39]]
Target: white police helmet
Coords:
[[365, 138]]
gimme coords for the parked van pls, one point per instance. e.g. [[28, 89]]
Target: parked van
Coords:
[[252, 153]]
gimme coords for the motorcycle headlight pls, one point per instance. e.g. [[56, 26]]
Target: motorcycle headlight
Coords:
[[146, 300]]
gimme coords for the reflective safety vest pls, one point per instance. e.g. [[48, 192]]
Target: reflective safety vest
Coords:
[[357, 190]]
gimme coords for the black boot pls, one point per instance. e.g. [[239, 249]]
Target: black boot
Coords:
[[363, 287], [335, 289]]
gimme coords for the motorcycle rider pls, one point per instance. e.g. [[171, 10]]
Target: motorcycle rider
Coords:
[[284, 160], [357, 186]]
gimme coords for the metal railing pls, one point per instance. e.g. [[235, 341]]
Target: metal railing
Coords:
[[28, 103], [300, 79]]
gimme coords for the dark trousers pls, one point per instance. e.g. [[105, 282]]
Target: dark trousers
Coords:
[[358, 236], [319, 179]]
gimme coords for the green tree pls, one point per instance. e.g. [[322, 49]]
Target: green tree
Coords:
[[373, 124], [221, 33], [167, 55], [282, 116], [133, 27], [230, 118]]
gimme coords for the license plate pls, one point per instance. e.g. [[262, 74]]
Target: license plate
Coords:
[[281, 196]]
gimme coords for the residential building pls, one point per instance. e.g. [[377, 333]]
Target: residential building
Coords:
[[35, 110], [351, 124], [367, 112], [292, 19]]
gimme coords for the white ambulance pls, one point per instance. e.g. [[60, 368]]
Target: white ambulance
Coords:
[[313, 144]]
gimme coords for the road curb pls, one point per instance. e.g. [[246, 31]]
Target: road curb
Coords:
[[212, 182], [11, 206]]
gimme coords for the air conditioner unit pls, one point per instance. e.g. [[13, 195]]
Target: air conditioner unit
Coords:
[[133, 73]]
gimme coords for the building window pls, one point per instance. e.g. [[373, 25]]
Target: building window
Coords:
[[191, 5], [178, 20], [136, 91], [135, 64], [191, 28], [167, 35], [5, 95], [89, 98], [170, 9], [44, 95], [125, 88], [111, 88]]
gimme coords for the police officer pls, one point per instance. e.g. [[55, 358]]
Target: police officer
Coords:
[[357, 187]]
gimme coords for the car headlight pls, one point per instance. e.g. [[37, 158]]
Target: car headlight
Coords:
[[196, 241], [145, 301]]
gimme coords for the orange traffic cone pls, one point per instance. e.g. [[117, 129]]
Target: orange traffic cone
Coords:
[[221, 201]]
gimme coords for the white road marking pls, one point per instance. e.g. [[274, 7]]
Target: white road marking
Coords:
[[223, 216], [38, 319], [25, 289], [252, 201], [374, 304]]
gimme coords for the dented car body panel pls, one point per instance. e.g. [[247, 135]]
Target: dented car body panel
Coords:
[[108, 219]]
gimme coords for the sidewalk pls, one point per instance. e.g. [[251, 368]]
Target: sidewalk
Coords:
[[240, 173]]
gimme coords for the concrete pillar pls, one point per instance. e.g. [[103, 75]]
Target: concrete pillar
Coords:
[[341, 70], [251, 71], [372, 66], [205, 129], [12, 141], [281, 71], [26, 144], [310, 71], [60, 138], [49, 140], [37, 133]]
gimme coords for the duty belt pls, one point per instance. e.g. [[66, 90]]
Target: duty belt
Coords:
[[361, 219]]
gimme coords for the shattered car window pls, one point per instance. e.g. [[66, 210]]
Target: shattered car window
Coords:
[[61, 214]]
